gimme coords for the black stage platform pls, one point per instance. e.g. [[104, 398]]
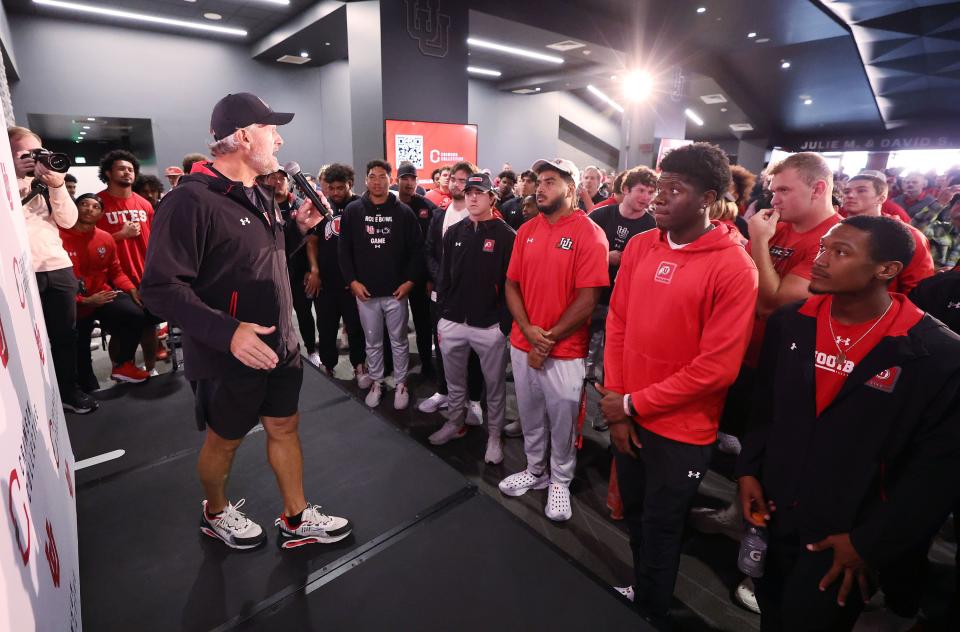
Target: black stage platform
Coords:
[[428, 551]]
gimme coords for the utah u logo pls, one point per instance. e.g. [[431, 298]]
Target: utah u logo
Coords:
[[565, 243], [665, 272], [428, 26]]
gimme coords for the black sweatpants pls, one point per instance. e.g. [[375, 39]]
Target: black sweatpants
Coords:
[[657, 488], [302, 306], [332, 305], [125, 321], [737, 407], [58, 299], [789, 595], [423, 326], [474, 370]]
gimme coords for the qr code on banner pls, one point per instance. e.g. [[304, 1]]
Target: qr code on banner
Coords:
[[410, 149]]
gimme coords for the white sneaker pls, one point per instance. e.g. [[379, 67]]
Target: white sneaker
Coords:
[[513, 429], [626, 591], [232, 528], [401, 398], [723, 521], [364, 381], [315, 528], [373, 395], [558, 503], [314, 359], [433, 403], [449, 431], [746, 597], [474, 414], [494, 455], [728, 444], [518, 484]]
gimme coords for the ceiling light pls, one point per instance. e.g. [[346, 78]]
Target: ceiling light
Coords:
[[284, 2], [603, 97], [83, 133], [140, 17], [693, 116], [752, 34], [326, 43], [190, 0], [613, 77], [762, 40], [213, 16], [723, 109], [484, 71], [513, 50], [637, 85], [808, 101], [701, 9], [79, 160], [304, 54], [585, 52], [86, 127], [536, 89], [784, 64], [90, 118]]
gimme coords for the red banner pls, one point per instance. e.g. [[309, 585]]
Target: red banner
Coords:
[[429, 145]]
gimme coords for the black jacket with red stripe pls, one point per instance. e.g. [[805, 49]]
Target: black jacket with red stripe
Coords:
[[215, 260], [881, 461]]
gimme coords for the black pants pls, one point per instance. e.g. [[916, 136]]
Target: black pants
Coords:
[[657, 489], [423, 326], [125, 321], [303, 307], [332, 305], [789, 595], [736, 409], [474, 370], [58, 299]]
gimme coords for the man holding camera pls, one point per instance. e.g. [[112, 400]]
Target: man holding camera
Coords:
[[49, 208]]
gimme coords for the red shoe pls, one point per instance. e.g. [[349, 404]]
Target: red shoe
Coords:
[[128, 372], [162, 353]]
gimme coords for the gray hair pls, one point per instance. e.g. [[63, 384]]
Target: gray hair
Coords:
[[228, 144]]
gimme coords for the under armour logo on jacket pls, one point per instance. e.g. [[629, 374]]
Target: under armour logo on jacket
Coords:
[[457, 244], [793, 347], [692, 474], [244, 221], [953, 305]]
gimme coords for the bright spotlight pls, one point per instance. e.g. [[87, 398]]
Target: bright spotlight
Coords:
[[637, 85]]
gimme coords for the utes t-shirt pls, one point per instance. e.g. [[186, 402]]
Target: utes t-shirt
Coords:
[[438, 197], [855, 341], [618, 230], [792, 252], [551, 262], [116, 212]]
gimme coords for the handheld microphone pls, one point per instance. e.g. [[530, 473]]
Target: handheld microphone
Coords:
[[293, 170]]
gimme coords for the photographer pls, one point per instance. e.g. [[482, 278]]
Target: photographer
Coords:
[[57, 285]]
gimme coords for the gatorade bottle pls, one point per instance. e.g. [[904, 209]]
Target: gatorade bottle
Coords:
[[753, 551]]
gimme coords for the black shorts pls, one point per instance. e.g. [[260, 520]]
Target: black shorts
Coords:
[[233, 404]]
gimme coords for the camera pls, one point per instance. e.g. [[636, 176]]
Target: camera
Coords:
[[50, 159]]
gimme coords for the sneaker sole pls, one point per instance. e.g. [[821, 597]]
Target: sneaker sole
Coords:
[[454, 437], [288, 541], [207, 531], [492, 462], [79, 411], [128, 380], [514, 493]]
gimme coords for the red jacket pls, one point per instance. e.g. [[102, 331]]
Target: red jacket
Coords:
[[95, 263], [678, 329]]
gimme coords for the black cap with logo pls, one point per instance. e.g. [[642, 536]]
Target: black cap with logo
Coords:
[[479, 181], [239, 110]]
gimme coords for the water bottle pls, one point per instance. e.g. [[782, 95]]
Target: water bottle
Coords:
[[753, 551]]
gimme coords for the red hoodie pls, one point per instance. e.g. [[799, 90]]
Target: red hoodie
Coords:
[[95, 263], [678, 328]]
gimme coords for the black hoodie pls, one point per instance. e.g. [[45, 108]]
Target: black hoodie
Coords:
[[380, 245]]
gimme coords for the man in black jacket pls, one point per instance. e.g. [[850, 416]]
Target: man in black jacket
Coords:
[[381, 258], [474, 315], [855, 440], [216, 265]]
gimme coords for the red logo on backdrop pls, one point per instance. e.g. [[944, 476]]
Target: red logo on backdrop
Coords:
[[36, 335], [885, 380], [430, 145], [53, 558], [665, 272], [17, 531], [488, 245], [4, 349]]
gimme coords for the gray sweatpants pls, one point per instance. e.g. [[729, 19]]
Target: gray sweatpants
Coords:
[[372, 314], [549, 403], [456, 340]]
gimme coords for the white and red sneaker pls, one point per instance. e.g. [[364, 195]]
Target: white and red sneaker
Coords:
[[315, 527], [232, 527], [130, 373]]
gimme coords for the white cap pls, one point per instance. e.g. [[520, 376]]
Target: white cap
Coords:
[[561, 165]]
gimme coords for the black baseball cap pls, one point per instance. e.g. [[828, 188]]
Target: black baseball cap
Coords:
[[235, 111], [479, 181], [406, 169]]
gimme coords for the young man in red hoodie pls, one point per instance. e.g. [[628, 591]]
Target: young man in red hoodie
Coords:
[[678, 326], [106, 294]]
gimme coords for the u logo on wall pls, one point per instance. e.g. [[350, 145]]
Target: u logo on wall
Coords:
[[429, 27]]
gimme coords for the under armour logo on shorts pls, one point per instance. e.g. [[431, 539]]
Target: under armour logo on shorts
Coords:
[[692, 474], [244, 221]]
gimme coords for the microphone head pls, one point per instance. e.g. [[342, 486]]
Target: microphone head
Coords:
[[291, 168]]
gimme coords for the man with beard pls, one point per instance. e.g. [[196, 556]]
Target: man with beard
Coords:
[[128, 217], [557, 271], [854, 442], [678, 326], [512, 209], [380, 255], [216, 267]]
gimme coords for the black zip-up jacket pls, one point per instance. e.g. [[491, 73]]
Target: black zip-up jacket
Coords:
[[380, 245], [939, 295], [328, 245], [433, 247], [881, 461], [473, 272], [214, 261]]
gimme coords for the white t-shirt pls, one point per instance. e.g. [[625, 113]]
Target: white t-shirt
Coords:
[[451, 216]]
